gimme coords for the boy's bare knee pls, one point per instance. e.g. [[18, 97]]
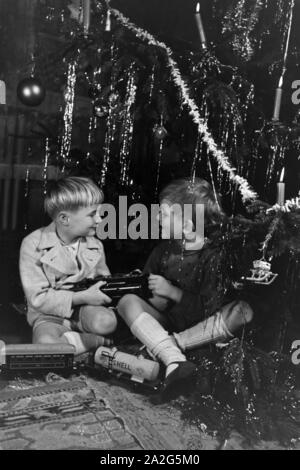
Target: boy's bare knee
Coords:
[[103, 324], [109, 323]]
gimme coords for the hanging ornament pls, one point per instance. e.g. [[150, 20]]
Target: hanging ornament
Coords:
[[160, 132], [31, 92], [101, 108], [261, 273]]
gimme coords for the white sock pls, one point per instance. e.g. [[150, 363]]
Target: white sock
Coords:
[[211, 330], [150, 332], [84, 342]]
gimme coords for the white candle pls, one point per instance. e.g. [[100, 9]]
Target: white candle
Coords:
[[200, 26], [86, 16], [277, 104], [281, 189], [2, 92], [108, 21]]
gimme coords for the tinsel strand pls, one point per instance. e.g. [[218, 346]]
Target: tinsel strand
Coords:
[[244, 188], [68, 113]]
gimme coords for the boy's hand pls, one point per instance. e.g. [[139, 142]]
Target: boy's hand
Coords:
[[94, 296], [163, 288]]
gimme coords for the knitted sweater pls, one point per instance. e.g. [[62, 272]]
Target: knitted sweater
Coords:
[[201, 275]]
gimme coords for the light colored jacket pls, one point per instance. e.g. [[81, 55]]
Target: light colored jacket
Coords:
[[46, 266]]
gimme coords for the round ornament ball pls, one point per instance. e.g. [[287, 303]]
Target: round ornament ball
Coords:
[[160, 132], [31, 92], [101, 108]]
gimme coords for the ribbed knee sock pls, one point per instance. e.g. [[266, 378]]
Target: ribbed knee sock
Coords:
[[211, 330], [150, 332]]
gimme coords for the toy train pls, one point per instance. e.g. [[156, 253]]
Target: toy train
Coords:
[[22, 358], [36, 357]]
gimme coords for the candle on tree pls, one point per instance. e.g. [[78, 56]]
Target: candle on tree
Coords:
[[277, 102], [86, 6], [278, 95], [200, 26], [2, 92], [281, 189]]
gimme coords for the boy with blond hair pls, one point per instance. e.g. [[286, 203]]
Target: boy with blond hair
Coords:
[[65, 252]]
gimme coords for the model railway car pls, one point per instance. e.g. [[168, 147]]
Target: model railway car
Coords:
[[18, 357]]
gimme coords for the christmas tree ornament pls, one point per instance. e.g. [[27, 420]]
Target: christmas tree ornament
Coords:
[[261, 273], [101, 108], [160, 132], [31, 92]]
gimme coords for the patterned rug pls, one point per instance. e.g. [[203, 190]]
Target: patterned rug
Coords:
[[62, 415]]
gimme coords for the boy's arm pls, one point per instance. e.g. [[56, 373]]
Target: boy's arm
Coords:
[[39, 294], [153, 265]]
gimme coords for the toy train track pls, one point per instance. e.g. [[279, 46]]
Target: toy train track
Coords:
[[41, 391], [44, 412]]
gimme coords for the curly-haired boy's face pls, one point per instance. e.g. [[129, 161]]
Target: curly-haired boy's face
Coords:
[[83, 222], [170, 220]]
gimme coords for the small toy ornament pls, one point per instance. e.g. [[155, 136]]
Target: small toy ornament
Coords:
[[261, 273]]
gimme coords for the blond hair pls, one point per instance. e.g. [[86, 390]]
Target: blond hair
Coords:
[[71, 193]]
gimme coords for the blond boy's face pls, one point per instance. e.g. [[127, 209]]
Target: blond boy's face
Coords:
[[84, 221]]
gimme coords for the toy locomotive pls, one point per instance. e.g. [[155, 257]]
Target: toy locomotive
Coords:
[[117, 286]]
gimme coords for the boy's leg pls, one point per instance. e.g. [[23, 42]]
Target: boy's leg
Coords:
[[131, 306], [46, 332], [237, 315], [218, 327], [97, 320], [145, 324]]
